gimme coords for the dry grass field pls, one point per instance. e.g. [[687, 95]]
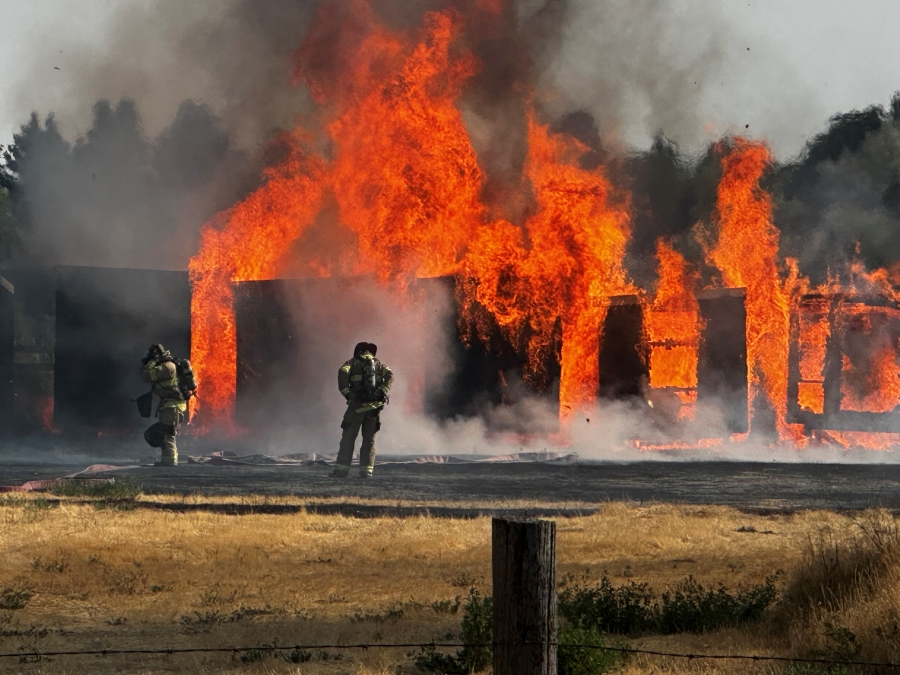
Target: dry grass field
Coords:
[[74, 576]]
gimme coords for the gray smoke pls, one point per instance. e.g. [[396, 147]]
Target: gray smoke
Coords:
[[645, 67], [232, 55], [115, 198], [154, 129], [168, 118]]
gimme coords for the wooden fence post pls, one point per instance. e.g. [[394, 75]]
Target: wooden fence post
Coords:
[[524, 571]]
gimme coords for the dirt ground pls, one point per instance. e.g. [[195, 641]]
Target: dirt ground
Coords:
[[755, 485]]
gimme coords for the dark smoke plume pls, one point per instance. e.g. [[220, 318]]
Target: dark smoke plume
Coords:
[[843, 192]]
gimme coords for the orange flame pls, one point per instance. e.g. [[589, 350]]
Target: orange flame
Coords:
[[870, 373], [815, 329], [407, 184], [747, 256], [863, 440], [881, 391], [578, 239], [672, 324], [404, 176], [870, 379], [255, 234], [564, 276], [388, 172]]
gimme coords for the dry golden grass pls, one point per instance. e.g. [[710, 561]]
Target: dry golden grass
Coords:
[[844, 598], [138, 578]]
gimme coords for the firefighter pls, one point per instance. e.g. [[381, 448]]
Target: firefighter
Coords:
[[364, 382], [173, 383]]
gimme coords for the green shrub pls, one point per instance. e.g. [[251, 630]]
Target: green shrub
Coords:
[[271, 651], [842, 643], [13, 598], [630, 608], [477, 636], [689, 608], [589, 613], [31, 505], [575, 657]]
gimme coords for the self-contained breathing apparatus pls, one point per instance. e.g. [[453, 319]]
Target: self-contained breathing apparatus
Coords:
[[368, 388]]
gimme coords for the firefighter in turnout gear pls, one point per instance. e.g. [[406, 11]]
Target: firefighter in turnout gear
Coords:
[[365, 382], [173, 382]]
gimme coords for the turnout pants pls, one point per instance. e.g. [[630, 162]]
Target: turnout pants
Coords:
[[162, 435], [369, 422]]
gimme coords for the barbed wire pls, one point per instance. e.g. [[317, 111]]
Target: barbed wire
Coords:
[[743, 657], [171, 651]]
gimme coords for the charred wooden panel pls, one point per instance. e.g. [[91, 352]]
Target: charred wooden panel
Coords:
[[268, 345], [623, 361], [859, 326], [292, 337], [722, 368], [34, 337], [486, 378]]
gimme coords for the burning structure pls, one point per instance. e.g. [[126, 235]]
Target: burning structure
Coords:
[[402, 195], [388, 195]]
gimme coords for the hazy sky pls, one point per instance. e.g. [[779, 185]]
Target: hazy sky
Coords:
[[807, 59]]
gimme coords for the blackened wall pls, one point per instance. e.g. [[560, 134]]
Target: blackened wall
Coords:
[[487, 379], [269, 342], [34, 335], [722, 368], [105, 321], [293, 335], [623, 359]]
